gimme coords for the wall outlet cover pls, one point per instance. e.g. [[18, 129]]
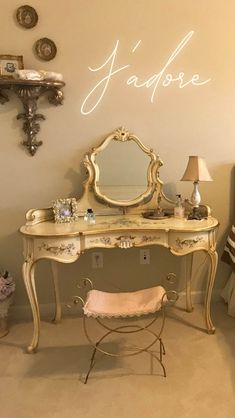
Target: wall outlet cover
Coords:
[[144, 256], [97, 260]]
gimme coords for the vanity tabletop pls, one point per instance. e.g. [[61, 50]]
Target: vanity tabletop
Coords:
[[115, 223]]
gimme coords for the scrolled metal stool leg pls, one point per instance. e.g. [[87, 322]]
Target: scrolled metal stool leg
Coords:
[[92, 363], [137, 350], [162, 349], [159, 361]]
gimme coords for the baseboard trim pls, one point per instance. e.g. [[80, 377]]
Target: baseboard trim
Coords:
[[22, 312], [198, 297]]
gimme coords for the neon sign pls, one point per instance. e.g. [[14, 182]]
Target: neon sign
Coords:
[[162, 79]]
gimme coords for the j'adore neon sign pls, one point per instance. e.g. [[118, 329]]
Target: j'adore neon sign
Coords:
[[161, 79]]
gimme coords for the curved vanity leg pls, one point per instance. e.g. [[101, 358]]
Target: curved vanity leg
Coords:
[[189, 268], [54, 268], [29, 280], [211, 278]]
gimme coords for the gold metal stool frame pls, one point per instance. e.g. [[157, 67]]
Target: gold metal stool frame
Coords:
[[168, 297]]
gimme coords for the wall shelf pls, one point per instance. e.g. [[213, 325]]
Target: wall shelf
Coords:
[[29, 91]]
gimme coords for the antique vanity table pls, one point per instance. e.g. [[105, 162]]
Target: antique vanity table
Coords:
[[119, 197]]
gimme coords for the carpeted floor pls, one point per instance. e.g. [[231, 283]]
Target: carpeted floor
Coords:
[[200, 368]]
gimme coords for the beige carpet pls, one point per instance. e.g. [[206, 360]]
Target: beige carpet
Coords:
[[200, 368]]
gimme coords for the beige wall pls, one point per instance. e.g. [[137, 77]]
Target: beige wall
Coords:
[[180, 122]]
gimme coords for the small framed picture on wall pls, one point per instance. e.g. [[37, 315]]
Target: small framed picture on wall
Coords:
[[65, 210], [9, 64]]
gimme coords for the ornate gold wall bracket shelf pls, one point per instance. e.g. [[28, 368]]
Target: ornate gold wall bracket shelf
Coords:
[[29, 92]]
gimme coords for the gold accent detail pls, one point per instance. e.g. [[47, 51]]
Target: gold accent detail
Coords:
[[125, 241], [122, 134]]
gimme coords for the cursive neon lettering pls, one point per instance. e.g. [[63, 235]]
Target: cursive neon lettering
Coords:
[[136, 46], [163, 78], [172, 57], [105, 81]]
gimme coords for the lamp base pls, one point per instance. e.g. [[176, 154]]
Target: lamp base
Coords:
[[195, 214]]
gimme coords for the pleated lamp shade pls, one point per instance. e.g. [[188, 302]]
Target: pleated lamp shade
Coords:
[[196, 170]]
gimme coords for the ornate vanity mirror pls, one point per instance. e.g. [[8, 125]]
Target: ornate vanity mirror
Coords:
[[124, 170], [122, 174]]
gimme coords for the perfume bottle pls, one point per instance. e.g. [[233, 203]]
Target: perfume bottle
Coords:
[[89, 216], [179, 208]]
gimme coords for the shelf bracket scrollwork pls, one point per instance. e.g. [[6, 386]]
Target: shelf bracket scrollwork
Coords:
[[28, 93]]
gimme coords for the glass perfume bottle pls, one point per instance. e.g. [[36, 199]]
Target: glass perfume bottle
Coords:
[[89, 216], [179, 208]]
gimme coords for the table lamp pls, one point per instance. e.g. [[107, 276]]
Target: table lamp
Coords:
[[196, 171]]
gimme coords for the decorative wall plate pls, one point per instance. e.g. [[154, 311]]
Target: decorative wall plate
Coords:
[[45, 49], [27, 16]]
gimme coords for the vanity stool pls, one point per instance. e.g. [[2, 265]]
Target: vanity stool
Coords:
[[103, 305]]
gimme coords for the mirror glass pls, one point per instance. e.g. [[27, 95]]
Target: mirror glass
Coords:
[[122, 170]]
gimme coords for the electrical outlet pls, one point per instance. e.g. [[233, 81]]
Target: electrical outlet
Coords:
[[97, 260], [144, 256]]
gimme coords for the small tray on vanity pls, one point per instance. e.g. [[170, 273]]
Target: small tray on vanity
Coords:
[[155, 215]]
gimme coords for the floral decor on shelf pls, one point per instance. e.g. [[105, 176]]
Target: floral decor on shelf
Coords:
[[39, 75]]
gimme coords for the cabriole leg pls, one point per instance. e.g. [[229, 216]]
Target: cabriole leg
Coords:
[[54, 267], [189, 269], [210, 282], [29, 280]]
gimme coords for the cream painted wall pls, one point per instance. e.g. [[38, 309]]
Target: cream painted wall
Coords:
[[180, 122]]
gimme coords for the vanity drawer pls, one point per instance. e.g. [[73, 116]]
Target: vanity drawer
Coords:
[[126, 240], [184, 242], [64, 249]]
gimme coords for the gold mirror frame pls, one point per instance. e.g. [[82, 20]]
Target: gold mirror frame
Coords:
[[123, 135]]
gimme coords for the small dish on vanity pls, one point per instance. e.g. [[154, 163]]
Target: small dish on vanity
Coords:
[[155, 215]]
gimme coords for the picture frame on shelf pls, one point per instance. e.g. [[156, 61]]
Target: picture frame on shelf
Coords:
[[65, 210], [9, 64]]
